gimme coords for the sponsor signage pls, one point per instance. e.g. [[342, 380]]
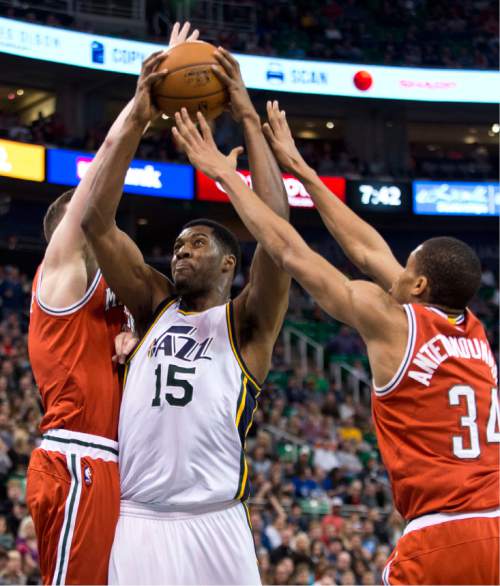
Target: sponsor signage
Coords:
[[170, 180], [22, 161], [286, 75], [456, 198], [379, 196], [209, 190]]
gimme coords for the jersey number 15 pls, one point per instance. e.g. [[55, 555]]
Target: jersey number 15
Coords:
[[173, 380]]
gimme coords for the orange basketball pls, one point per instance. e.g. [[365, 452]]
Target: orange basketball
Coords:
[[190, 82]]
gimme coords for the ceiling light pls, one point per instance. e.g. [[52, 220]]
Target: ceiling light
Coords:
[[469, 139], [330, 124], [495, 128], [20, 92], [165, 117]]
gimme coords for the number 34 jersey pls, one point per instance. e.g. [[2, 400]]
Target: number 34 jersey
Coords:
[[438, 420], [187, 406]]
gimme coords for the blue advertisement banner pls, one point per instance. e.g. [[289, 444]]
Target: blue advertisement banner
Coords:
[[170, 180], [456, 198]]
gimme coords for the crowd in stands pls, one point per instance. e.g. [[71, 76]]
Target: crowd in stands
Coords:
[[432, 33], [321, 506]]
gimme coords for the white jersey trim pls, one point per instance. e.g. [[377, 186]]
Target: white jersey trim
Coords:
[[73, 463], [410, 347], [85, 445], [438, 518], [74, 307]]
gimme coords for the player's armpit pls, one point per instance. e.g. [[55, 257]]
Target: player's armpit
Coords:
[[140, 287]]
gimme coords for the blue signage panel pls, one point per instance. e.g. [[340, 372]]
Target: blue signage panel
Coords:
[[66, 167], [454, 198]]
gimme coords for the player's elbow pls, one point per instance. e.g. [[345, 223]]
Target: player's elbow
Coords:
[[90, 223]]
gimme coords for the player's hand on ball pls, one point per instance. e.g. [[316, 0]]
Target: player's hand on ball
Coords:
[[181, 35], [229, 74], [143, 110], [199, 145], [125, 342], [280, 138]]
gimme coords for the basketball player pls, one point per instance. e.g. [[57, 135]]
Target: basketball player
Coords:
[[192, 382], [435, 400], [73, 484]]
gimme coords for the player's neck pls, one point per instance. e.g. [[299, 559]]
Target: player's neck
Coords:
[[448, 310], [199, 302]]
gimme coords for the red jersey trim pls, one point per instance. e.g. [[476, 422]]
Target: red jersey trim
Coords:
[[73, 308], [410, 347]]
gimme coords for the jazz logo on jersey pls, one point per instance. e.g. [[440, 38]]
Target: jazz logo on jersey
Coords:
[[179, 341]]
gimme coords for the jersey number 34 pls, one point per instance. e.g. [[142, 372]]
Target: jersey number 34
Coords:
[[468, 421]]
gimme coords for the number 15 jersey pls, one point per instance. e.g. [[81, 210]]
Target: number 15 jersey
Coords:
[[188, 403], [438, 420]]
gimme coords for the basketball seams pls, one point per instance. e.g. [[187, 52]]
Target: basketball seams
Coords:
[[190, 98], [190, 66]]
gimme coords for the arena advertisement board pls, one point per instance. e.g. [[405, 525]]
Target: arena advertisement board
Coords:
[[209, 190], [104, 53], [169, 180], [22, 161], [389, 197], [456, 198]]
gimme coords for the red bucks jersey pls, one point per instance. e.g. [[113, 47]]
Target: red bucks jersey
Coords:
[[437, 420]]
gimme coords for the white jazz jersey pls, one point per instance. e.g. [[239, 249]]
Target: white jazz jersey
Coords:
[[187, 406]]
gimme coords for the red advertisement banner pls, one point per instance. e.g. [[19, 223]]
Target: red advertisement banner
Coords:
[[209, 190]]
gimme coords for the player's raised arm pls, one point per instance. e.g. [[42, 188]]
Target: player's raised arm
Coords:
[[261, 307], [360, 304], [364, 246], [139, 286]]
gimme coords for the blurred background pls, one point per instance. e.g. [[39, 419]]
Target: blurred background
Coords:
[[422, 165]]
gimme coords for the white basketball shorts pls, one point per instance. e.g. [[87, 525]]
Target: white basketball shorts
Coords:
[[152, 546]]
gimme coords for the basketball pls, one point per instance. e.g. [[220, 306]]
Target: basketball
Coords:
[[190, 83]]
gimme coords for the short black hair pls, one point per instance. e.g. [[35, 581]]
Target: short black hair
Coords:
[[55, 212], [226, 239], [453, 270]]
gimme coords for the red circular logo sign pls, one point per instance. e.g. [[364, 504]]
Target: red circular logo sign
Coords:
[[363, 80]]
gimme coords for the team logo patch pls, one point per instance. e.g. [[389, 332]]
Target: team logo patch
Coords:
[[179, 341], [87, 475]]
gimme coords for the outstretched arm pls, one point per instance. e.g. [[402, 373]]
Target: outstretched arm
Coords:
[[362, 305], [363, 245], [261, 306], [139, 286], [65, 277]]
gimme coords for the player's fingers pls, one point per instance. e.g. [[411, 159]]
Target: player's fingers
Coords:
[[221, 59], [179, 139], [186, 118], [221, 75], [184, 31], [153, 78], [272, 116], [229, 57], [174, 34], [190, 134], [268, 133], [204, 127], [147, 64], [193, 36], [130, 344]]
